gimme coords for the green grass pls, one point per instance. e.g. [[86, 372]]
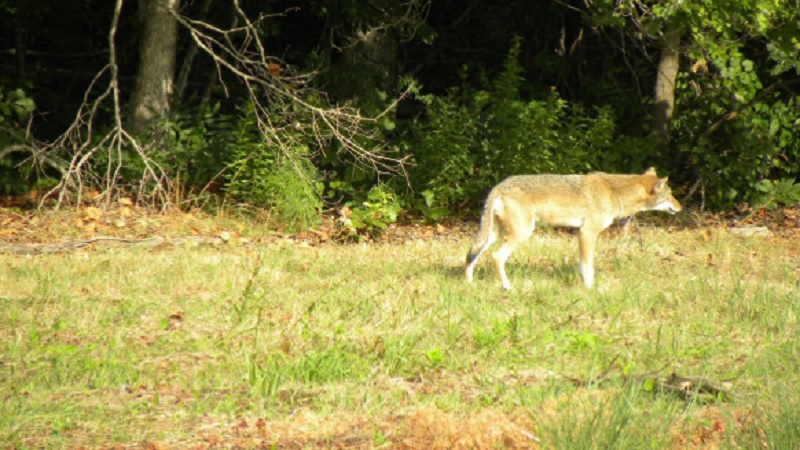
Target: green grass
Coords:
[[381, 346]]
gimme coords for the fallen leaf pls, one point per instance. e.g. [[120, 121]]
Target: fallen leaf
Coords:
[[92, 213]]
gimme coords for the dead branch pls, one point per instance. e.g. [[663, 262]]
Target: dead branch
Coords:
[[283, 99], [80, 145], [273, 85], [61, 247], [147, 243], [686, 388], [37, 157]]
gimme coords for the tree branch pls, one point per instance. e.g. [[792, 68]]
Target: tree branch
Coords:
[[80, 140], [271, 81]]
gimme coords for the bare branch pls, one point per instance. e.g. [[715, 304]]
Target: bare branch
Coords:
[[79, 145], [286, 105], [273, 85]]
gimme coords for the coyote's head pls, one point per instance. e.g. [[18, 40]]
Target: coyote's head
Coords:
[[660, 195]]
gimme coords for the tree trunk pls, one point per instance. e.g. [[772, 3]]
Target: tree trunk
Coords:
[[154, 79], [665, 84]]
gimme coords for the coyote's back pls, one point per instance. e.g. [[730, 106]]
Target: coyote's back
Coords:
[[589, 202]]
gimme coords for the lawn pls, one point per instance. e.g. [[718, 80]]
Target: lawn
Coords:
[[689, 340]]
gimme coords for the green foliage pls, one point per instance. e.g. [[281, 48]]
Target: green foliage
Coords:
[[191, 147], [16, 109], [428, 206], [374, 214], [473, 139], [771, 193], [434, 357], [784, 47], [545, 111], [630, 153], [15, 106], [278, 175], [736, 114], [197, 144], [741, 154], [293, 190]]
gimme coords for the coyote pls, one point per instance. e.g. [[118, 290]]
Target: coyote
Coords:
[[588, 202]]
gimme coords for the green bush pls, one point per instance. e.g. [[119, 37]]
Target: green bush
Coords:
[[771, 193], [473, 139], [278, 175], [742, 138], [372, 215], [16, 109], [293, 191], [15, 106], [196, 144]]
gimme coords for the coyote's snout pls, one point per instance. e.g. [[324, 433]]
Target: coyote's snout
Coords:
[[588, 202]]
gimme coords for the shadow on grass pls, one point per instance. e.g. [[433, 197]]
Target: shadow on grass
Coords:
[[565, 273]]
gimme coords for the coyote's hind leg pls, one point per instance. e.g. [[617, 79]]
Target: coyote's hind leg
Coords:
[[517, 230]]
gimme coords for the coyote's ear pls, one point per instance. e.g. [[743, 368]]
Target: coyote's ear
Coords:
[[650, 171], [660, 184]]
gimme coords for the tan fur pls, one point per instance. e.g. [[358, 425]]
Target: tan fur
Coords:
[[589, 202]]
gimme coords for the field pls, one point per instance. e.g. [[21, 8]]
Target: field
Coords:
[[690, 340]]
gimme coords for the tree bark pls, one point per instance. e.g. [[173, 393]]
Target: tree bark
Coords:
[[665, 84], [154, 78]]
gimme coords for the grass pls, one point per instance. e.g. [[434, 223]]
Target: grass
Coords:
[[385, 346]]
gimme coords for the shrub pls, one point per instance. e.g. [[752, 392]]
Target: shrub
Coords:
[[742, 135], [473, 139], [277, 174], [372, 215], [196, 144], [15, 110]]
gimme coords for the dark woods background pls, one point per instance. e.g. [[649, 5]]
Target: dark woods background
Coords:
[[306, 116]]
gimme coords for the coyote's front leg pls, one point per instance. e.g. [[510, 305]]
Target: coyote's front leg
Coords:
[[588, 243]]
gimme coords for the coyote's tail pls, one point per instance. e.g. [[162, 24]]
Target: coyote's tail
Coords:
[[487, 231]]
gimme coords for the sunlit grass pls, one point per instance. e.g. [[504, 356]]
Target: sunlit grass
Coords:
[[195, 345]]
